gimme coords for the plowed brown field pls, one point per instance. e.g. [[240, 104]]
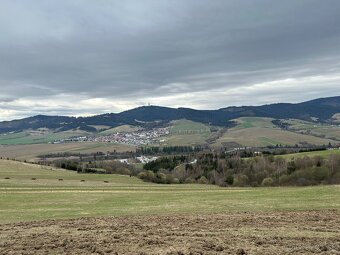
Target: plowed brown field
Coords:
[[301, 232]]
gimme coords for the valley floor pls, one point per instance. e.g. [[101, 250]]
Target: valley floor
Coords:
[[299, 232]]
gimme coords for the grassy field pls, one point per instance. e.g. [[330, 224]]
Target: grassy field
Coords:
[[47, 197], [185, 140], [325, 153], [120, 129], [188, 127], [186, 132], [46, 136], [254, 131], [317, 129], [31, 151], [36, 137]]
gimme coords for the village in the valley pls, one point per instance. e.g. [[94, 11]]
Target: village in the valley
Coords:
[[140, 137]]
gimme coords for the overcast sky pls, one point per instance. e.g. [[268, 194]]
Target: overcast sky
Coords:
[[90, 57]]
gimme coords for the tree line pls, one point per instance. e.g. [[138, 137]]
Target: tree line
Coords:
[[222, 170]]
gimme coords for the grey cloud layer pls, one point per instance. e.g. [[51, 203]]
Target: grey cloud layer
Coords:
[[132, 52]]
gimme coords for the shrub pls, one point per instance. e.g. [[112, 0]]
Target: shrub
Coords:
[[124, 171], [267, 182], [203, 180], [291, 167], [189, 180], [320, 173], [160, 178], [230, 180], [169, 179], [241, 180], [284, 179], [150, 175], [142, 175], [175, 181]]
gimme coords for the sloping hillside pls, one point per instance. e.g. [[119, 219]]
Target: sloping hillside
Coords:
[[186, 132], [254, 131]]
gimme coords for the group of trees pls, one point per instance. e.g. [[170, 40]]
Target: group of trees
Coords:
[[165, 163], [225, 170], [281, 124], [221, 169], [100, 166]]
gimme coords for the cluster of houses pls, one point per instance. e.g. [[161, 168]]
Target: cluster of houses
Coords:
[[141, 159], [137, 138], [145, 159], [72, 139], [141, 137]]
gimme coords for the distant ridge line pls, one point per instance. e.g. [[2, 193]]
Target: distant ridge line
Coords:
[[320, 109]]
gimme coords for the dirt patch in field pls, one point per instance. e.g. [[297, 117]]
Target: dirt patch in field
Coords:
[[312, 232]]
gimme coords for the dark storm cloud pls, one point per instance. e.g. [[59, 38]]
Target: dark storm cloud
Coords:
[[126, 53]]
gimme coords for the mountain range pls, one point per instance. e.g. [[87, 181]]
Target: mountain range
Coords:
[[318, 110]]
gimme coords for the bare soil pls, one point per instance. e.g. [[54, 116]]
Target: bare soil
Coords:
[[304, 232]]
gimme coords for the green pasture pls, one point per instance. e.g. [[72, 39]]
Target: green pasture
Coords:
[[258, 132], [188, 127], [120, 129], [325, 153], [31, 192], [186, 132], [27, 137], [316, 129]]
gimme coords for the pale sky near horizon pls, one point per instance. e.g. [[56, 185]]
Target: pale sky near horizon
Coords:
[[82, 57]]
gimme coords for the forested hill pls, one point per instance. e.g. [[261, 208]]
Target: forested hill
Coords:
[[322, 109]]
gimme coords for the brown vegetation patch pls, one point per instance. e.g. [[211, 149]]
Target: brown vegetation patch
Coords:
[[308, 232]]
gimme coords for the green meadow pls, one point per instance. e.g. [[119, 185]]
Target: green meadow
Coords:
[[324, 153], [32, 192], [258, 132], [35, 137]]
